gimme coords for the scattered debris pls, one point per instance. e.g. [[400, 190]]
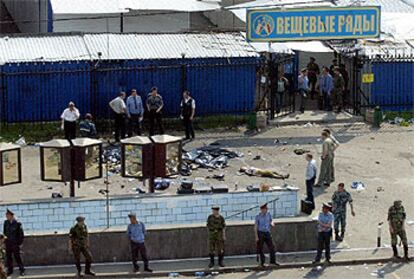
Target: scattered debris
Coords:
[[319, 268], [300, 151], [102, 191], [246, 270], [139, 190], [377, 162], [199, 274], [50, 188], [173, 275], [276, 141], [357, 185], [21, 141], [380, 189], [285, 143], [308, 125], [56, 195], [410, 223], [161, 184], [257, 157], [210, 157]]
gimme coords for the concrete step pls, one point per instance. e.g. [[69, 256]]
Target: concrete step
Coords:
[[188, 267], [316, 117]]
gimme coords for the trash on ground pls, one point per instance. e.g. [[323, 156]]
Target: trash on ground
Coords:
[[199, 274], [50, 188], [357, 185], [173, 275], [102, 191], [210, 157], [139, 190], [380, 189], [161, 184], [300, 151], [276, 141], [56, 195], [21, 141], [377, 162], [319, 268], [246, 270], [410, 223], [308, 125], [257, 157]]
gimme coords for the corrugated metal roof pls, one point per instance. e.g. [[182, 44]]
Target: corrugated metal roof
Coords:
[[58, 47], [387, 6], [38, 48], [167, 46], [123, 6]]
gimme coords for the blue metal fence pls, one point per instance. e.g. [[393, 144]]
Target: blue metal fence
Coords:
[[40, 91], [393, 87]]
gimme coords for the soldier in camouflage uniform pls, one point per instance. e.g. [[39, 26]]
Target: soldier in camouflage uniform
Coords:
[[79, 241], [3, 274], [339, 200], [396, 220], [338, 90], [216, 226]]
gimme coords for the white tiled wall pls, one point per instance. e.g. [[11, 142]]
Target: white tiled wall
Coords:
[[60, 215]]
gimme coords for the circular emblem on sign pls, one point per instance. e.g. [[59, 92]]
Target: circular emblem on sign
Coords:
[[263, 25]]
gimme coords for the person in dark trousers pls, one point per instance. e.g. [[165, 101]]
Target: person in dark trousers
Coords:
[[13, 230], [154, 106], [87, 128], [282, 86], [325, 220], [136, 234], [262, 228], [187, 114], [79, 242], [69, 117], [313, 73], [311, 171], [303, 88], [135, 110], [119, 108], [326, 86]]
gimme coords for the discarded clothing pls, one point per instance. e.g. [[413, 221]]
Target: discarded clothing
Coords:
[[210, 157], [252, 171]]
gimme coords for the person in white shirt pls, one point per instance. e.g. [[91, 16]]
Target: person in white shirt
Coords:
[[311, 171], [69, 117], [118, 106]]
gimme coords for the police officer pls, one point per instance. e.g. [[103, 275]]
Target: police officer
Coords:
[[216, 226], [79, 241], [339, 200], [262, 228], [13, 230], [396, 220], [187, 114]]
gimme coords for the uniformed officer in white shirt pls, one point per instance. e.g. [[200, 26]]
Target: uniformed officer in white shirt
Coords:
[[69, 118], [119, 108]]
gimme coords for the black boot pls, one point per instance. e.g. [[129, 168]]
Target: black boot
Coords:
[[211, 261], [342, 235], [395, 251], [88, 270], [79, 270], [406, 253], [220, 260], [337, 237]]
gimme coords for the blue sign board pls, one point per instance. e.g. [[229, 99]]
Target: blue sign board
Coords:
[[324, 23]]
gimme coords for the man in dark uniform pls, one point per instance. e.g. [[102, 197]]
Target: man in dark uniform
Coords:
[[13, 230], [155, 105], [262, 228], [79, 242], [313, 73], [187, 114], [396, 220], [216, 226]]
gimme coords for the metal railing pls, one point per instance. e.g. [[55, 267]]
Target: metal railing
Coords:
[[244, 212]]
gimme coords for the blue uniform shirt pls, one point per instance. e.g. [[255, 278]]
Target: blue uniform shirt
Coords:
[[264, 222], [325, 219], [134, 105], [136, 232], [326, 83]]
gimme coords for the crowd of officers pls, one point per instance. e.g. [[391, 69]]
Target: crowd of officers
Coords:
[[327, 85], [128, 113], [13, 236]]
